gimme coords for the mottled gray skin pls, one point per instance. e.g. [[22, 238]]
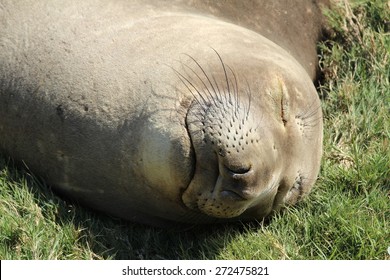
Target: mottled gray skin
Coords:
[[163, 111]]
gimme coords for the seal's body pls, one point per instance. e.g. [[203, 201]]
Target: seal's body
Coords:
[[160, 111]]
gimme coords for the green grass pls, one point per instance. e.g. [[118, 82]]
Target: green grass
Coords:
[[347, 216]]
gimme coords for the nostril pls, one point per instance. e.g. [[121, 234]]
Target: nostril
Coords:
[[238, 169], [236, 184]]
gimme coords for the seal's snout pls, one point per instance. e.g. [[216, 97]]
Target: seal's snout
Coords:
[[228, 138], [228, 143]]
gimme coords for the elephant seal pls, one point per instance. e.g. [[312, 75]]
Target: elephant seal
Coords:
[[160, 111]]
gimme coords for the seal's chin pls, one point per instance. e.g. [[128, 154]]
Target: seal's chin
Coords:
[[229, 195]]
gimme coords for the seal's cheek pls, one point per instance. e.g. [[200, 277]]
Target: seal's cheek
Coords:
[[201, 188], [166, 158]]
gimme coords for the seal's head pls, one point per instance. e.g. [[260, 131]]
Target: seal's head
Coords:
[[254, 151]]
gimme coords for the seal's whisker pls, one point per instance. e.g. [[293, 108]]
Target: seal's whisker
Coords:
[[188, 78], [204, 123], [311, 111], [222, 98], [209, 95], [219, 95], [186, 83], [204, 95], [207, 77], [310, 114], [313, 122], [231, 93], [275, 103], [237, 95], [235, 89], [224, 70], [249, 93]]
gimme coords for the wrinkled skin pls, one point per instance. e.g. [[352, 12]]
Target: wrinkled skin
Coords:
[[163, 111]]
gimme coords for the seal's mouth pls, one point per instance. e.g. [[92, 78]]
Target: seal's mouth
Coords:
[[233, 195]]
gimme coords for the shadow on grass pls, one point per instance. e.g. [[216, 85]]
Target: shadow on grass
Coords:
[[106, 237]]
